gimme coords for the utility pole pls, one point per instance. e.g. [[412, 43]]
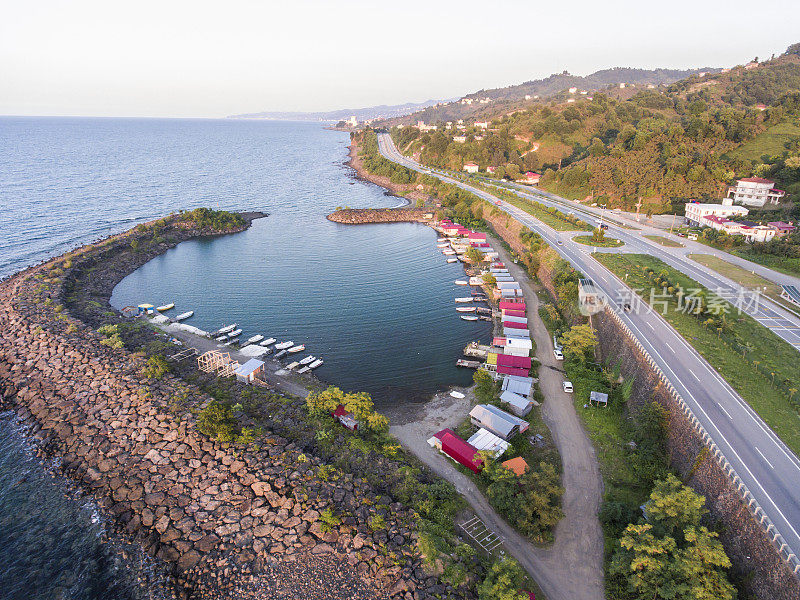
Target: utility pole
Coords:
[[638, 207]]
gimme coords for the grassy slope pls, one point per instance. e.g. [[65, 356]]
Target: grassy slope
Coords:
[[587, 240], [538, 211], [784, 264], [658, 239], [771, 142], [772, 353]]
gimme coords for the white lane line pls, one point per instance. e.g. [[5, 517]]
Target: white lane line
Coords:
[[722, 408], [764, 457], [670, 347], [650, 326], [695, 375]]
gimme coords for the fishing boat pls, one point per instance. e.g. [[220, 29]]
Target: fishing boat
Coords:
[[268, 341], [469, 364], [302, 370], [483, 310], [465, 309], [441, 245], [299, 348], [441, 239], [222, 338], [234, 333], [448, 252], [469, 318], [308, 359], [291, 366], [254, 339], [281, 354], [227, 328], [315, 364], [464, 300], [184, 316], [284, 345], [461, 282], [166, 306], [452, 260]]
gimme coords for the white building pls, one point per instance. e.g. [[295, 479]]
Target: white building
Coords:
[[352, 121], [471, 167], [572, 90], [755, 191], [482, 124], [696, 211], [460, 139]]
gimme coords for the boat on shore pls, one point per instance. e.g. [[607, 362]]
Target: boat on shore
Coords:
[[465, 309], [295, 349], [452, 260], [485, 318], [308, 359], [221, 338], [441, 239], [448, 252], [315, 364], [469, 318], [184, 316], [268, 341], [469, 364], [234, 333], [441, 245], [165, 307], [302, 370], [284, 345], [464, 300], [461, 282], [255, 339], [227, 328], [281, 354]]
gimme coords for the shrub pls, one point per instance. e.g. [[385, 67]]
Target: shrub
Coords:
[[156, 367], [216, 421]]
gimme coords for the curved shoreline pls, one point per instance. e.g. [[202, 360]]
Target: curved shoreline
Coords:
[[224, 520]]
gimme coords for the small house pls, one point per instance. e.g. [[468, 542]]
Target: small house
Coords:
[[497, 421], [485, 441], [519, 405], [462, 452], [517, 465], [249, 371], [347, 419], [471, 167]]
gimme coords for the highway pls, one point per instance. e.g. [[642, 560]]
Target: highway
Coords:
[[765, 464]]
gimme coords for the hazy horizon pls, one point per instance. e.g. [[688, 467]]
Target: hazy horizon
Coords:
[[182, 59]]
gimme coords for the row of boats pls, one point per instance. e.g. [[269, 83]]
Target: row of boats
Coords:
[[170, 306], [466, 312], [229, 334]]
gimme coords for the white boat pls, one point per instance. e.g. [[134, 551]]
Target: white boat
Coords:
[[461, 282], [227, 328], [308, 359], [166, 306], [452, 260], [302, 370], [235, 333], [465, 309], [299, 348], [254, 339], [281, 354], [448, 252], [284, 345], [464, 300], [222, 338], [185, 315], [291, 366], [469, 318], [441, 245], [231, 343], [441, 239], [268, 341], [315, 364]]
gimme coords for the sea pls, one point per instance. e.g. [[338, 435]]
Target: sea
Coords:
[[375, 302]]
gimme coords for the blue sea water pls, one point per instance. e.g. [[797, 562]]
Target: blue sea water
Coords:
[[375, 302]]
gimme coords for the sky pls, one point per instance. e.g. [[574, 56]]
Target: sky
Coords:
[[175, 58]]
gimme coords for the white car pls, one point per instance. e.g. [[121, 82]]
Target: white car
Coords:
[[568, 387], [558, 354]]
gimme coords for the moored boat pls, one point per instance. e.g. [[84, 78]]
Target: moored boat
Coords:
[[461, 282], [227, 328], [281, 354], [284, 345], [166, 306], [308, 359], [268, 341], [302, 370], [235, 333], [222, 338], [469, 318], [448, 252], [465, 309], [184, 316], [254, 339], [452, 260], [464, 300], [315, 364], [299, 348], [441, 239], [441, 245]]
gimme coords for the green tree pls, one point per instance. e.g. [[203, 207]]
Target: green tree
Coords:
[[216, 421], [579, 342], [485, 386], [701, 566], [646, 563], [504, 581], [359, 403], [673, 506], [474, 255], [489, 279]]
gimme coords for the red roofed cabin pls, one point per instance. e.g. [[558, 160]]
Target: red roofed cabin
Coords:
[[345, 418], [507, 305], [457, 449]]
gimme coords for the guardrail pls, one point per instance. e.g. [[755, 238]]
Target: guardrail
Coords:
[[784, 551]]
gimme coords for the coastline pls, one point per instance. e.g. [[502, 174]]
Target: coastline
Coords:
[[231, 523]]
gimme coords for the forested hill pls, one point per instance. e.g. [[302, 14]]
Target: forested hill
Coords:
[[663, 146]]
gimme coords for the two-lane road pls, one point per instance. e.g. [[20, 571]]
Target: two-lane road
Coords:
[[766, 466]]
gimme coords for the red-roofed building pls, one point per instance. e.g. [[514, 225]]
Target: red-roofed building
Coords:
[[471, 167], [345, 418], [781, 228], [513, 325], [518, 362], [508, 305], [475, 236], [530, 178], [513, 313], [460, 451], [755, 191], [513, 370]]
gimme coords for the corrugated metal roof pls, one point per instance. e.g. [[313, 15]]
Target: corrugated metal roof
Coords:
[[512, 319], [515, 324], [515, 400], [505, 370], [510, 332], [520, 343], [519, 362], [491, 358], [249, 367], [518, 385], [485, 440], [459, 450], [513, 313], [512, 305]]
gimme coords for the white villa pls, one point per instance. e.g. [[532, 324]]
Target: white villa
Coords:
[[695, 211], [755, 191]]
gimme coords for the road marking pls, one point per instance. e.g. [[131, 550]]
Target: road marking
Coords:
[[695, 376], [670, 347], [764, 457], [650, 326], [725, 411]]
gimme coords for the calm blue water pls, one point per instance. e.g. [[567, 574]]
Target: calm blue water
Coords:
[[375, 302]]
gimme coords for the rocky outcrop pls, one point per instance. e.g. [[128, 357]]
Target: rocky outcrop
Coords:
[[359, 216], [756, 564], [227, 521]]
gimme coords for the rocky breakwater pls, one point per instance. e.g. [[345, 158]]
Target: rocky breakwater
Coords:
[[249, 520], [360, 216]]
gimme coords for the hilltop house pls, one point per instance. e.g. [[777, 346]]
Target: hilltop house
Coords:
[[755, 191]]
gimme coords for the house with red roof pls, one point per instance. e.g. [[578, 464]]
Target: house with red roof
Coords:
[[781, 228], [755, 191], [347, 419], [451, 445], [471, 167], [530, 178]]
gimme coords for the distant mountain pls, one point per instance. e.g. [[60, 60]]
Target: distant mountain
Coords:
[[362, 114]]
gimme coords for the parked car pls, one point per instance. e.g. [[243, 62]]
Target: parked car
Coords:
[[498, 202], [560, 243], [558, 354], [680, 235], [568, 387]]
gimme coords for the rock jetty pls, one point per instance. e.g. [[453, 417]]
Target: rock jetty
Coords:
[[360, 216], [225, 521]]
